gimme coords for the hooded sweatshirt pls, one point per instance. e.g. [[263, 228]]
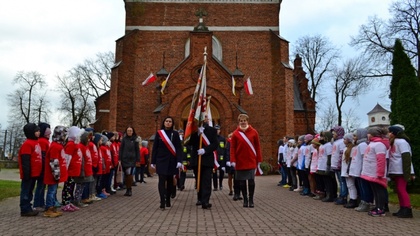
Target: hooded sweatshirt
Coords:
[[30, 156]]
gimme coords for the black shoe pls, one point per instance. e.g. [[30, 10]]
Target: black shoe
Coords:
[[251, 202], [168, 203], [405, 213], [198, 203], [206, 206], [230, 193], [162, 206], [182, 188], [134, 184], [29, 213], [235, 197], [215, 189], [327, 199], [221, 188], [245, 202]]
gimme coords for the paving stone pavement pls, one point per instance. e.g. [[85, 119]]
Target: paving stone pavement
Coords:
[[277, 212]]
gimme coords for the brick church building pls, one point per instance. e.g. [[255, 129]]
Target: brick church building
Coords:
[[242, 40]]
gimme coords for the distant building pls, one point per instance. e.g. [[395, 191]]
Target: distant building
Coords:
[[378, 116]]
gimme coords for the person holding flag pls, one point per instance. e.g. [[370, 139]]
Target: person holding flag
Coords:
[[166, 158], [209, 145], [245, 157]]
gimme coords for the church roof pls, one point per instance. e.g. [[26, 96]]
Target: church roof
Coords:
[[378, 108]]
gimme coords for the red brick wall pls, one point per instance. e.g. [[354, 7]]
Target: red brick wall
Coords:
[[261, 55]]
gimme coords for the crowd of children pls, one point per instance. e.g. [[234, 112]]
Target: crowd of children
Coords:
[[350, 169], [87, 163]]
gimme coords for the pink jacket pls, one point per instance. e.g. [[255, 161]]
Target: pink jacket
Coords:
[[374, 161]]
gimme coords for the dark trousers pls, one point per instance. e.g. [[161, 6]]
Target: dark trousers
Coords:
[[218, 178], [320, 186], [182, 177], [380, 194], [26, 195], [365, 191], [39, 197], [165, 186], [330, 185], [205, 184]]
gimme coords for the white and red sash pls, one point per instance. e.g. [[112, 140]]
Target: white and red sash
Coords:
[[167, 142], [258, 170], [206, 142]]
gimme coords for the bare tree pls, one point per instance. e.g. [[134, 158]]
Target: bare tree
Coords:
[[75, 101], [318, 57], [95, 74], [28, 102], [349, 82], [351, 121], [376, 38], [327, 118]]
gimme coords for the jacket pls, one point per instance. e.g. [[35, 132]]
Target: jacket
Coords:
[[241, 153]]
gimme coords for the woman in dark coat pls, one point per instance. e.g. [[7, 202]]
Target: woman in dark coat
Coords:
[[129, 154], [166, 158]]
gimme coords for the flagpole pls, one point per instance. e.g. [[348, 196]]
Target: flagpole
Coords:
[[201, 135]]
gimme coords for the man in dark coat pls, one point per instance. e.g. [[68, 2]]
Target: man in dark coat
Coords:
[[209, 145]]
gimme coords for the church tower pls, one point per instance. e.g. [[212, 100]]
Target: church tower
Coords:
[[169, 36]]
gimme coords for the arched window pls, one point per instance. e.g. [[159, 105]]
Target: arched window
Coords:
[[217, 48]]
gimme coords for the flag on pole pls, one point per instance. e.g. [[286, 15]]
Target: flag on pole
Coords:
[[201, 104], [151, 78], [163, 85], [191, 126], [248, 86], [209, 112], [233, 86]]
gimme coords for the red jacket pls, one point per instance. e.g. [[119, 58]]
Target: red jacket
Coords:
[[31, 147], [87, 160], [56, 151], [143, 152], [241, 152], [115, 148], [75, 165], [106, 158], [94, 154]]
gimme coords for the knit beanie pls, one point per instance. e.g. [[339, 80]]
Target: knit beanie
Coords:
[[395, 130], [104, 139], [309, 137], [96, 138], [339, 131], [73, 133], [375, 131], [302, 138], [348, 138], [316, 141]]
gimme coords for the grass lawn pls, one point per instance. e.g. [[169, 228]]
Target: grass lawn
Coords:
[[9, 188]]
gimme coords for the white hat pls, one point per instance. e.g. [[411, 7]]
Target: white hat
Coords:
[[292, 141]]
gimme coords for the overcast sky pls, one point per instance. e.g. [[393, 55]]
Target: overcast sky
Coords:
[[51, 36]]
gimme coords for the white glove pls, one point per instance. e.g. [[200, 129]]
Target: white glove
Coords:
[[259, 165], [178, 165], [228, 163], [224, 169], [233, 164], [200, 130], [153, 166], [200, 151]]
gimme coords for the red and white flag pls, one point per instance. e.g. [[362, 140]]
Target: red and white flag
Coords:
[[151, 78], [248, 86]]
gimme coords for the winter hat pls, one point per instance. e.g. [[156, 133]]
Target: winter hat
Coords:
[[309, 137], [104, 139], [302, 138], [401, 126], [327, 135], [73, 133], [291, 141], [96, 138], [30, 129], [316, 141], [395, 130], [144, 143], [376, 131], [339, 131], [89, 129], [109, 135], [84, 138], [45, 129], [348, 138], [60, 133], [181, 131]]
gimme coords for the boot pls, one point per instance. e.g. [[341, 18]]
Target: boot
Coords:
[[244, 193], [162, 205], [363, 207], [327, 198], [351, 204], [173, 193], [128, 184], [251, 188], [406, 212], [168, 201], [51, 212]]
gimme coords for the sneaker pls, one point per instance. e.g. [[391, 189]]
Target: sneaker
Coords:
[[376, 212], [102, 196], [67, 208], [74, 207], [39, 209], [363, 207], [51, 213], [286, 186], [29, 213], [58, 212], [297, 190], [105, 193]]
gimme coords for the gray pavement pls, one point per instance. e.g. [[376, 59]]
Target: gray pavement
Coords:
[[277, 212]]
